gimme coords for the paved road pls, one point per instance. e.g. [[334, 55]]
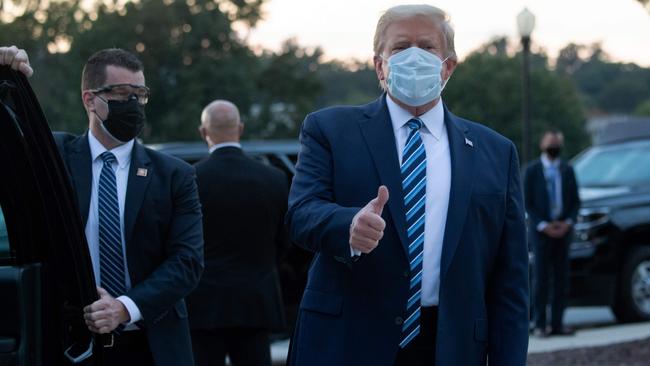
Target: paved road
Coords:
[[595, 326]]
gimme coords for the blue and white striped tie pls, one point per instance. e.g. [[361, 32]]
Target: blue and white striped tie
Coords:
[[111, 255], [414, 183]]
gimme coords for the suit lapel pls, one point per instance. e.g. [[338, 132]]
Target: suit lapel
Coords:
[[377, 130], [80, 168], [564, 183], [139, 176], [461, 148]]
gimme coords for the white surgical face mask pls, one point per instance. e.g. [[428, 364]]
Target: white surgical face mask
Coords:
[[414, 76]]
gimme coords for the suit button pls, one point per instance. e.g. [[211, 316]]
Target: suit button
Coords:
[[406, 273], [399, 320]]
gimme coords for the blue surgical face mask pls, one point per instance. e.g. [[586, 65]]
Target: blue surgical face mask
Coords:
[[414, 76]]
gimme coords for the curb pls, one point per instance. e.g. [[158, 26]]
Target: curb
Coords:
[[591, 338]]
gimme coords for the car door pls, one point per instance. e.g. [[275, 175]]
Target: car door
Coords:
[[45, 269]]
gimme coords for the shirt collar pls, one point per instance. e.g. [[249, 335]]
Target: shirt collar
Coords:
[[548, 163], [433, 119], [122, 153], [224, 144]]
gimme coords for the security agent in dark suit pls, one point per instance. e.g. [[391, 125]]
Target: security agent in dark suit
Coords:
[[238, 300], [142, 217], [552, 203]]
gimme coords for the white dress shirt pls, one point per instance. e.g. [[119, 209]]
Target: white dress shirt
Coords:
[[224, 144], [547, 164], [121, 167], [436, 146]]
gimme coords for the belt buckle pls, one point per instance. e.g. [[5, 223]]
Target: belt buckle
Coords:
[[112, 342]]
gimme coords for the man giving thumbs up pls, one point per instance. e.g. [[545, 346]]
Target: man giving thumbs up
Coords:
[[438, 273]]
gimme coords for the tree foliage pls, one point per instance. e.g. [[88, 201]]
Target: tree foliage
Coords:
[[486, 87], [191, 55], [288, 85], [606, 87], [643, 109]]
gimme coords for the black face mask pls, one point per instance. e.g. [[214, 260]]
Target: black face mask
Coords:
[[125, 118], [553, 151]]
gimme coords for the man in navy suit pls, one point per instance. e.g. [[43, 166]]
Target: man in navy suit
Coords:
[[415, 217], [552, 203], [142, 215]]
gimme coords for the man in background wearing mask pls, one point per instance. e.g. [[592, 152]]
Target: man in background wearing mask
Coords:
[[142, 216], [415, 217], [552, 203]]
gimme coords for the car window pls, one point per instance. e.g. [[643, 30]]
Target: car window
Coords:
[[615, 165], [4, 237]]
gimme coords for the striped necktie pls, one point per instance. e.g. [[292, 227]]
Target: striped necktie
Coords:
[[414, 183], [111, 255]]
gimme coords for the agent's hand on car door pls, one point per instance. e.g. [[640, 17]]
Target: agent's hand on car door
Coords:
[[17, 59], [105, 314]]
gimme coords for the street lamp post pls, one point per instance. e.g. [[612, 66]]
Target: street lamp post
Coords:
[[525, 25]]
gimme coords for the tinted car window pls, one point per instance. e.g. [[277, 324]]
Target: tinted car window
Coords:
[[4, 238], [615, 165]]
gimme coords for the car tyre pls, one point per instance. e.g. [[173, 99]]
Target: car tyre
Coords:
[[633, 296]]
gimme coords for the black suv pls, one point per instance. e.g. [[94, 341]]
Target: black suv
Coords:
[[610, 254], [45, 269]]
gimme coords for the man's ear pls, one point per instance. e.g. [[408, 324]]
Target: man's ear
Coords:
[[88, 100], [202, 132], [241, 129], [448, 68], [379, 70]]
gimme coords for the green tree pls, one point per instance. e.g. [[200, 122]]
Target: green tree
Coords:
[[347, 83], [288, 85], [643, 109], [190, 52], [605, 86], [486, 87]]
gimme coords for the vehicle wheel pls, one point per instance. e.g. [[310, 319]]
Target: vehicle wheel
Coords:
[[633, 297]]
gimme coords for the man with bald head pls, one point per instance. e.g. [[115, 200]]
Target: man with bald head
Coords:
[[238, 301]]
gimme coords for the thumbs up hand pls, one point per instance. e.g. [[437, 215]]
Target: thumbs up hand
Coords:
[[367, 226]]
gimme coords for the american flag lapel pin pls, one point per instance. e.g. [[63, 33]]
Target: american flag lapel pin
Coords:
[[469, 142], [142, 172]]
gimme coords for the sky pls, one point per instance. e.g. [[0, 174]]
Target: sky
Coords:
[[344, 28]]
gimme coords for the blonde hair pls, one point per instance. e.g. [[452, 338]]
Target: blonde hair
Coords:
[[408, 11]]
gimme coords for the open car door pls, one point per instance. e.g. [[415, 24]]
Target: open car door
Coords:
[[46, 273]]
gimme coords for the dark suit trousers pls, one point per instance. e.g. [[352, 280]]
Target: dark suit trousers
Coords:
[[422, 349], [244, 346], [551, 279]]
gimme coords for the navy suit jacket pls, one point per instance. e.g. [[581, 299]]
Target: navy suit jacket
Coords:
[[163, 235], [351, 312], [537, 198]]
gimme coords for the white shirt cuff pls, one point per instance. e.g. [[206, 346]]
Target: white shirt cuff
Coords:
[[354, 252], [541, 226], [131, 308]]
